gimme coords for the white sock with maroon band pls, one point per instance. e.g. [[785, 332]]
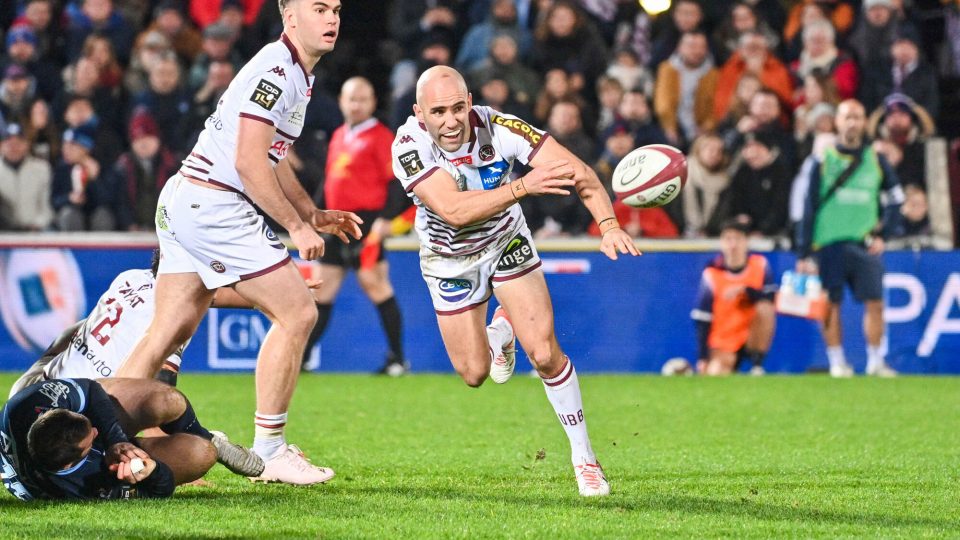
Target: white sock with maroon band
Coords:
[[499, 334], [268, 439], [563, 391]]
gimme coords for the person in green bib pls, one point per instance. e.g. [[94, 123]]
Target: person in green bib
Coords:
[[851, 200]]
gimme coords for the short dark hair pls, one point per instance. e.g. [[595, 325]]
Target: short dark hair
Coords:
[[53, 440]]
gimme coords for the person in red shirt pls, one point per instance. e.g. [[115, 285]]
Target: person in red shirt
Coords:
[[359, 176], [735, 316]]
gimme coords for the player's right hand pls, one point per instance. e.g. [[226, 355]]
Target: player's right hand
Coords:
[[308, 242], [126, 475], [551, 178]]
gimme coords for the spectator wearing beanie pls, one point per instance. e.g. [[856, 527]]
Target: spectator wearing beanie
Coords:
[[21, 48], [139, 174], [77, 193]]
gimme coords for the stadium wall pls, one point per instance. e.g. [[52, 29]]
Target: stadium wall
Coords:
[[625, 316]]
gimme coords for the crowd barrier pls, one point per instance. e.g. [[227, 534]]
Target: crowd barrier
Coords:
[[625, 316]]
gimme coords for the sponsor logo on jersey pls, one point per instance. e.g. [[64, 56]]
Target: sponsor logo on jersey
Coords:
[[518, 251], [296, 117], [519, 127], [454, 290], [279, 71], [411, 162], [461, 160], [272, 237], [405, 139], [491, 175], [218, 267], [487, 152], [161, 218], [266, 94]]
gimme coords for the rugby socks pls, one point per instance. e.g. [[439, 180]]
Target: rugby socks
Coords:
[[563, 391], [392, 326], [755, 357], [875, 358], [323, 318], [268, 439], [187, 423], [499, 334], [836, 357], [169, 371]]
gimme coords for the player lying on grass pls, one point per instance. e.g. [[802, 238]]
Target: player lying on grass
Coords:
[[454, 160], [74, 439], [96, 347]]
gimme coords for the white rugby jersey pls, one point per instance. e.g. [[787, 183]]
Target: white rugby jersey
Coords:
[[273, 88], [111, 330], [483, 162]]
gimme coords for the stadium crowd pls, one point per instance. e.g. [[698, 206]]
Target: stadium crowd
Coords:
[[100, 100]]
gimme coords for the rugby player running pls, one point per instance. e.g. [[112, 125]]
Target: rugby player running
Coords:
[[454, 160]]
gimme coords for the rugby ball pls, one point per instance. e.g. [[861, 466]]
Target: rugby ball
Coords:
[[650, 176]]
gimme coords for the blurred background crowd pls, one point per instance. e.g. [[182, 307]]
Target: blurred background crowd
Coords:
[[101, 99]]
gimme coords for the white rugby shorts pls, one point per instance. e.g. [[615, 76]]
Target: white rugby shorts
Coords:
[[216, 234], [459, 284]]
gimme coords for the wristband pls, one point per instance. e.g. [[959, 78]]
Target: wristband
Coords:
[[517, 189], [607, 225]]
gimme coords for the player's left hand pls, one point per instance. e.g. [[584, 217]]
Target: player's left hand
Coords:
[[123, 453], [337, 222], [617, 241]]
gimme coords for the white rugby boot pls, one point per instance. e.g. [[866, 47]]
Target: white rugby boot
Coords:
[[291, 467], [590, 480], [501, 367], [841, 371], [238, 459], [882, 370]]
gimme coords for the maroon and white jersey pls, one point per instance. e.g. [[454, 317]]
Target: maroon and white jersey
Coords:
[[484, 162], [111, 330], [273, 88]]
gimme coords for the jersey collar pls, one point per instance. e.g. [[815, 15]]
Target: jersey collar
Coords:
[[295, 55]]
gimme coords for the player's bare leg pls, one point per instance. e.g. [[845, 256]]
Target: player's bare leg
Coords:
[[721, 363], [146, 403], [761, 336], [285, 299], [834, 340], [181, 302], [465, 338], [527, 301], [873, 331], [188, 456]]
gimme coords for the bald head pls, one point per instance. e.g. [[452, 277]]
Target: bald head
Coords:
[[357, 100], [439, 80], [443, 106], [356, 83]]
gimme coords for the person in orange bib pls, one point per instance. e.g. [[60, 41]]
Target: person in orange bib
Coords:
[[734, 314]]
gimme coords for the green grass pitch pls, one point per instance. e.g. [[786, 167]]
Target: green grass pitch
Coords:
[[427, 457]]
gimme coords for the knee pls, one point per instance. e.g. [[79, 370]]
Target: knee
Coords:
[[765, 310], [474, 377], [542, 356], [207, 455], [300, 318], [169, 403]]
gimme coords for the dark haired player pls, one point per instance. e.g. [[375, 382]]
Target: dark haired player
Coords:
[[73, 439]]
